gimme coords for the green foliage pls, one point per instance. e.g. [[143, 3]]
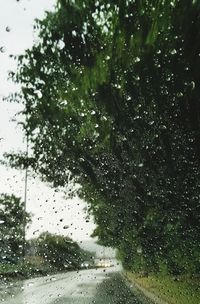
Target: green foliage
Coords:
[[61, 252], [48, 254], [111, 95], [12, 221]]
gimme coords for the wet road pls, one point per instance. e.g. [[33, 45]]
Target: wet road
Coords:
[[98, 286]]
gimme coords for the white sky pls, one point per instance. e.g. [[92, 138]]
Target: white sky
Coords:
[[50, 210]]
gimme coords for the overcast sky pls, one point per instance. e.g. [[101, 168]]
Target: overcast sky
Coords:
[[50, 210]]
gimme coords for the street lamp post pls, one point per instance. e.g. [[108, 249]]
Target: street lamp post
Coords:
[[25, 203]]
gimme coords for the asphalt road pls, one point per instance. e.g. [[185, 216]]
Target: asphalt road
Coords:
[[100, 286]]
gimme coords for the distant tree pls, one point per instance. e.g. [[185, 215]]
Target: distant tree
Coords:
[[59, 251], [12, 221]]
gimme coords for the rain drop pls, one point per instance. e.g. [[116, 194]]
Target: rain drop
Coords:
[[173, 52], [8, 29], [2, 49]]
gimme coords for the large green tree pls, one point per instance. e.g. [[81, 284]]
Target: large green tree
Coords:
[[111, 95]]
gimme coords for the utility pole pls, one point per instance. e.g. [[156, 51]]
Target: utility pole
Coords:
[[25, 203]]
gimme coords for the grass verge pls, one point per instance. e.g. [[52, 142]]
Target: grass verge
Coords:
[[183, 290]]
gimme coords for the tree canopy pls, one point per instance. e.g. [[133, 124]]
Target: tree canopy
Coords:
[[61, 252], [111, 99]]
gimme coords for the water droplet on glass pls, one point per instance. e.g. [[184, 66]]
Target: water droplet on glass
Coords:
[[173, 52], [193, 85], [2, 49], [137, 59], [8, 29], [53, 279], [179, 94], [61, 44], [39, 94]]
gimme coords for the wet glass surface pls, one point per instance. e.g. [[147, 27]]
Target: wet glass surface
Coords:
[[99, 151]]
